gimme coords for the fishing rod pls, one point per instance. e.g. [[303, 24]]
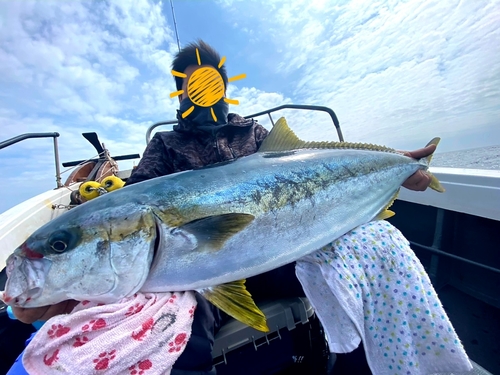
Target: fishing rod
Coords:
[[175, 25]]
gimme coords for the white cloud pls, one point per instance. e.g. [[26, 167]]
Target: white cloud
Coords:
[[392, 70], [253, 100], [77, 53], [395, 72], [74, 67], [100, 66]]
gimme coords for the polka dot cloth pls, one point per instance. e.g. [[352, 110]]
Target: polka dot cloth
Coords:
[[369, 285]]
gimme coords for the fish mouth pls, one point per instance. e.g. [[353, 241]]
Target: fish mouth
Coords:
[[22, 299], [25, 280]]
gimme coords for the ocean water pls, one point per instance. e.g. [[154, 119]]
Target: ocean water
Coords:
[[476, 158]]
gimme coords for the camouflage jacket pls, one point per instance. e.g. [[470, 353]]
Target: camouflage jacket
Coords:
[[189, 146]]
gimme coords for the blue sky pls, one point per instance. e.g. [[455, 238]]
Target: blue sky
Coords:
[[396, 72]]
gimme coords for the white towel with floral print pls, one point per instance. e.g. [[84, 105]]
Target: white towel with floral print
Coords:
[[140, 335], [369, 285]]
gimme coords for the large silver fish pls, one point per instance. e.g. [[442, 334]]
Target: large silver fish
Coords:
[[207, 229]]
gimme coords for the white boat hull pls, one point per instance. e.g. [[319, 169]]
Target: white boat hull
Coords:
[[19, 222]]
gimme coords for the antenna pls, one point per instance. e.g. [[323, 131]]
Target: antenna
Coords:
[[175, 26]]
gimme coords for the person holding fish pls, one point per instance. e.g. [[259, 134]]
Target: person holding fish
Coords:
[[210, 135]]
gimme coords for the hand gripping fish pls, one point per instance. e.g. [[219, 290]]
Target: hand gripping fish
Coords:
[[209, 229]]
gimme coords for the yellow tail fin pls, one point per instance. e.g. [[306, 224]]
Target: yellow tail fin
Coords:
[[435, 184]]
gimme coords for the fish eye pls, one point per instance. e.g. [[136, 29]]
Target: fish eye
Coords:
[[59, 241], [58, 246]]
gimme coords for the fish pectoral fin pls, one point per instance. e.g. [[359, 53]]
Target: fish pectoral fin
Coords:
[[234, 299], [214, 231], [386, 214]]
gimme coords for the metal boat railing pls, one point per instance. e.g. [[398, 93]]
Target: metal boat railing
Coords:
[[330, 111], [22, 137]]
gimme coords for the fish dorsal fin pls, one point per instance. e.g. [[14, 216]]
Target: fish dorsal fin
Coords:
[[213, 231], [282, 138], [235, 300]]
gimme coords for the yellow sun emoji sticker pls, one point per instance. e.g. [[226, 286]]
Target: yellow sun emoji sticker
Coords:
[[205, 87]]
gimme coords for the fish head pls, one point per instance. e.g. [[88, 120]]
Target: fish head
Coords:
[[101, 255]]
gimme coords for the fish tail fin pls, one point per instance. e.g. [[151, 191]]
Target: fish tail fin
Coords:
[[433, 141], [435, 184]]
